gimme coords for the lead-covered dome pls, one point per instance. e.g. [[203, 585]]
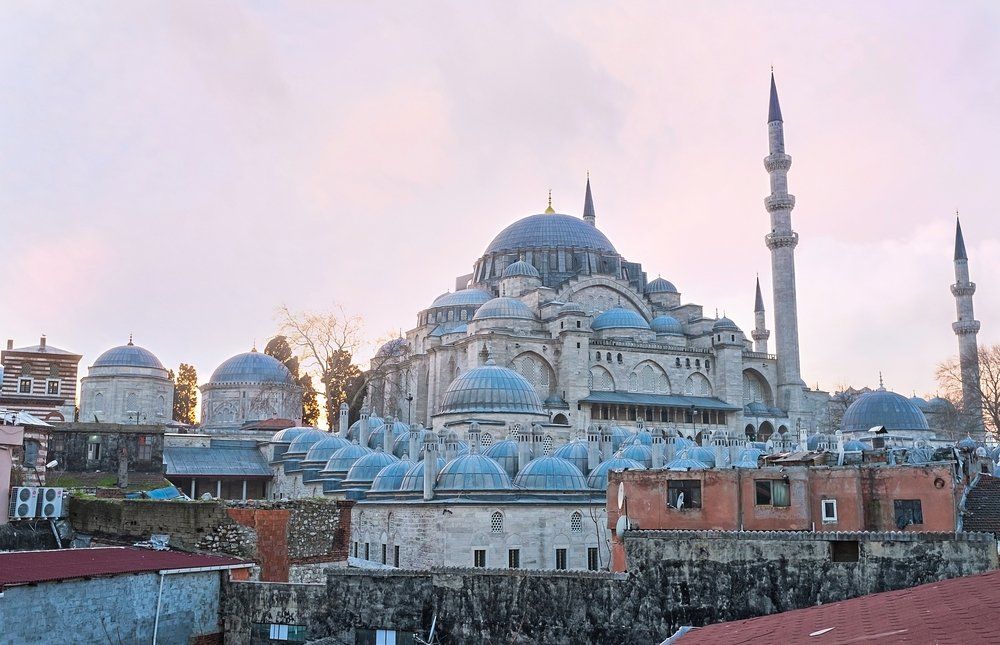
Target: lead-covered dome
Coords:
[[504, 308], [725, 324], [665, 324], [462, 298], [551, 474], [618, 318], [128, 356], [661, 286], [883, 408], [490, 388], [520, 268], [472, 472], [252, 367], [550, 231], [598, 478]]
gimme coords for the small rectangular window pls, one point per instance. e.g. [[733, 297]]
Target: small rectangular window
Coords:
[[395, 555], [355, 554], [593, 562], [514, 558], [52, 386], [772, 492], [266, 632], [479, 558], [829, 510], [908, 511], [24, 386], [560, 559], [684, 493], [384, 552], [145, 447], [367, 550], [845, 551]]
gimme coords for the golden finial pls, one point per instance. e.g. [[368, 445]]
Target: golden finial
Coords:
[[550, 210]]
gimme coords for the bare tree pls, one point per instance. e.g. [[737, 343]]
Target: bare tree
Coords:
[[949, 378]]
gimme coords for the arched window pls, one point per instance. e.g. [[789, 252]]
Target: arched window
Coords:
[[619, 358], [464, 315], [131, 402], [496, 522], [576, 522], [486, 440], [515, 432], [608, 357]]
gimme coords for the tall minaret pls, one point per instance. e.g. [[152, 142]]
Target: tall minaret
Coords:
[[782, 241], [760, 334], [589, 215], [966, 328]]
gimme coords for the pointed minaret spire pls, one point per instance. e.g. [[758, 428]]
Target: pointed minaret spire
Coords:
[[774, 107], [760, 333], [549, 210], [781, 241], [589, 215], [960, 253], [966, 328]]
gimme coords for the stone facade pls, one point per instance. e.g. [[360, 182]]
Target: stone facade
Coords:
[[125, 385], [448, 533], [685, 578], [91, 447]]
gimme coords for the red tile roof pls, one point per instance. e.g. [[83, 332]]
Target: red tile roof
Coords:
[[26, 567], [959, 611], [981, 511]]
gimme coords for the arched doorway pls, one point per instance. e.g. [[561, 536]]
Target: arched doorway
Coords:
[[765, 431], [560, 418], [751, 432]]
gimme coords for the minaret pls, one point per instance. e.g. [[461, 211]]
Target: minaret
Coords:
[[589, 216], [966, 328], [782, 241], [760, 334]]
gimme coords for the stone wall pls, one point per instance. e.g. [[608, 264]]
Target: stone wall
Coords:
[[676, 578], [119, 609], [276, 535], [68, 444]]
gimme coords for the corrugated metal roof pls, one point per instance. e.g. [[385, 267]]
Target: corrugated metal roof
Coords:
[[217, 460], [948, 611], [671, 400], [27, 567]]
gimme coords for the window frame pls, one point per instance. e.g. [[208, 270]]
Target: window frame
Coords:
[[49, 389], [688, 487], [479, 558], [828, 518], [21, 381], [593, 559], [562, 558], [576, 522], [915, 508], [513, 558], [757, 483]]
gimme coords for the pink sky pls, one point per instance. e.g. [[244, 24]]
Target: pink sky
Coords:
[[179, 170]]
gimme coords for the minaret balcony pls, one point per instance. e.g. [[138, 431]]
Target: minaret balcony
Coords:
[[963, 327], [760, 334], [778, 241], [777, 161], [784, 202], [966, 289]]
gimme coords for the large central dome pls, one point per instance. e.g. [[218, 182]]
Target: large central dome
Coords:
[[550, 232]]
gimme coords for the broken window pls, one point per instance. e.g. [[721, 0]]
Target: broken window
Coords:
[[772, 492], [684, 493]]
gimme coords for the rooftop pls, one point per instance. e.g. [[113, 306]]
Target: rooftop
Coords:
[[28, 567], [944, 612]]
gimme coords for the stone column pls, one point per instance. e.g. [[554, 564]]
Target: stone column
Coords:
[[593, 448], [657, 448], [343, 417], [430, 465]]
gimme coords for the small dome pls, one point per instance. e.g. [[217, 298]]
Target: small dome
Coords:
[[968, 443], [637, 452], [354, 432], [252, 367], [322, 450], [401, 446], [551, 474], [922, 404], [288, 435], [575, 452], [665, 324], [490, 388], [390, 478], [618, 318], [550, 231], [941, 405], [813, 441], [368, 467], [505, 453], [702, 454], [685, 461], [413, 480], [598, 478], [619, 436], [375, 440], [641, 437], [303, 442], [725, 324], [520, 268], [395, 348], [128, 356], [472, 472], [504, 308], [757, 409], [661, 286], [883, 408], [855, 446], [342, 460], [571, 308], [462, 298], [748, 458]]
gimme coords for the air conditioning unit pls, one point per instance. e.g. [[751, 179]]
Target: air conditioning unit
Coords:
[[23, 503], [50, 503]]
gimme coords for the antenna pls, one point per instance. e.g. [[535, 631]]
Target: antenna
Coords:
[[621, 495]]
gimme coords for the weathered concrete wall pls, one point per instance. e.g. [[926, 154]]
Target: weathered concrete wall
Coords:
[[119, 609], [675, 578], [276, 534], [24, 537]]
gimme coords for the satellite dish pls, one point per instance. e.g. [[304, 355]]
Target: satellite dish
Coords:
[[680, 501], [622, 525], [621, 495]]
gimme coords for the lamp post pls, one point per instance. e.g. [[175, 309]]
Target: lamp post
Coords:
[[409, 403]]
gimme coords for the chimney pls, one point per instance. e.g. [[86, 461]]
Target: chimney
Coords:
[[10, 344], [840, 447], [523, 449], [670, 443], [42, 342], [450, 445], [475, 444], [430, 465], [414, 451], [657, 448], [364, 431], [607, 444], [343, 420], [593, 448], [718, 445], [388, 436], [537, 441]]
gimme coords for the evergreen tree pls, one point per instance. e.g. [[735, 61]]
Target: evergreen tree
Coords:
[[185, 394], [310, 401]]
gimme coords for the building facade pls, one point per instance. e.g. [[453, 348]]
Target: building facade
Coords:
[[127, 384], [40, 380], [247, 388]]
